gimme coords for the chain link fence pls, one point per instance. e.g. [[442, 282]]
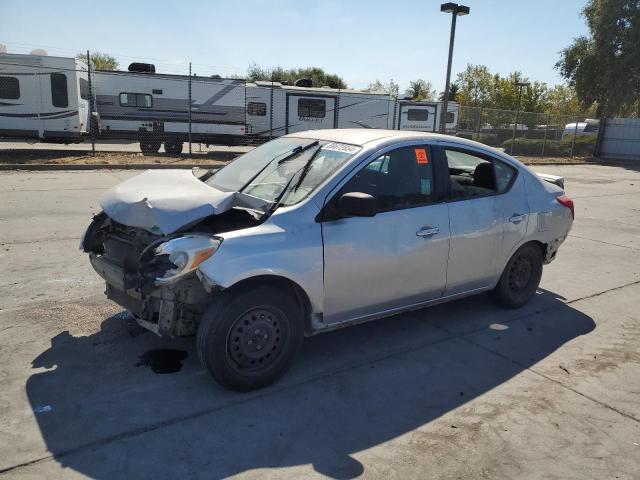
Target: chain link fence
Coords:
[[58, 104], [529, 134]]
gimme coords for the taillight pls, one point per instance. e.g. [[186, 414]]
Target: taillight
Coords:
[[566, 202]]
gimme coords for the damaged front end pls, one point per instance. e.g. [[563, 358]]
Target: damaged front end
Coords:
[[154, 276]]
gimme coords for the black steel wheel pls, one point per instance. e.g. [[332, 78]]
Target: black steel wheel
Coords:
[[249, 337], [521, 277], [173, 148], [149, 147]]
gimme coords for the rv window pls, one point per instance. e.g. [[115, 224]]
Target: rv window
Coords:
[[311, 107], [450, 117], [9, 88], [84, 89], [142, 100], [59, 95], [256, 109], [418, 114]]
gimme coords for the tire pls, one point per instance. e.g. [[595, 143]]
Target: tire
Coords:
[[248, 338], [174, 148], [520, 278], [149, 147]]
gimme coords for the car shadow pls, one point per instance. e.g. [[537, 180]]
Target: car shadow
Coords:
[[104, 414]]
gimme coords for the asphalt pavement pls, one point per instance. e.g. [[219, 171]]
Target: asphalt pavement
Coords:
[[463, 390]]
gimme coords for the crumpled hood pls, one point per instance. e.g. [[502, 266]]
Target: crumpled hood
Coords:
[[163, 201]]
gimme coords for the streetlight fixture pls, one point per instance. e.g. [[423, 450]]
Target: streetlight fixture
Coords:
[[455, 10], [520, 86]]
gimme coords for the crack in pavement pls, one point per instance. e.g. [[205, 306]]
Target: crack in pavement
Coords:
[[355, 366], [606, 243]]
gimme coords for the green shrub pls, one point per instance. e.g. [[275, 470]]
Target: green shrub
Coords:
[[553, 148]]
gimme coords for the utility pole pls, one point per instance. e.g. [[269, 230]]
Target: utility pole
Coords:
[[455, 10]]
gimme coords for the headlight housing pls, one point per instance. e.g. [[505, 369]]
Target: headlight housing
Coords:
[[185, 254]]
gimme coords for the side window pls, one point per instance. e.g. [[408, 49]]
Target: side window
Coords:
[[142, 100], [450, 117], [256, 109], [417, 114], [312, 107], [504, 175], [84, 89], [9, 88], [402, 178], [474, 176], [59, 94]]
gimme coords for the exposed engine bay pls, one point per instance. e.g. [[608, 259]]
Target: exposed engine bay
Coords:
[[153, 276]]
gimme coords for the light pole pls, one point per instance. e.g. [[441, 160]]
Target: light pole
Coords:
[[455, 10], [520, 85]]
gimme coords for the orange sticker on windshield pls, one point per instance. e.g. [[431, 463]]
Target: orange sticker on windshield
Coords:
[[421, 155]]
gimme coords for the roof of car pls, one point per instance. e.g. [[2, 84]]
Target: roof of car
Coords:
[[362, 136]]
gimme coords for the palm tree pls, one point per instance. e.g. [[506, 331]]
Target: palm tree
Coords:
[[454, 90], [420, 90]]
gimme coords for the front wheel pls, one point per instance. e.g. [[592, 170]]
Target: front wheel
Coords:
[[249, 339], [520, 278]]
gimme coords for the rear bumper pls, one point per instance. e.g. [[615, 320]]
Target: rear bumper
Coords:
[[172, 310]]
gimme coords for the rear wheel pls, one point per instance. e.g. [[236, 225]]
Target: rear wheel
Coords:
[[174, 148], [149, 147], [249, 339], [520, 278]]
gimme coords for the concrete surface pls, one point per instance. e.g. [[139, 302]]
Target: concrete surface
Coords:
[[116, 146], [464, 390]]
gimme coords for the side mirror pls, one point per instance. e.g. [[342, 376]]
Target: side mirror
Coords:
[[357, 204]]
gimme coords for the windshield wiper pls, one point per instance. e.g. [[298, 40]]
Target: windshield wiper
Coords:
[[303, 173], [293, 153]]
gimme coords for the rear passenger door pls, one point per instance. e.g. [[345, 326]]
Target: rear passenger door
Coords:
[[475, 219]]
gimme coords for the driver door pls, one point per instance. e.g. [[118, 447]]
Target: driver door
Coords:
[[397, 257]]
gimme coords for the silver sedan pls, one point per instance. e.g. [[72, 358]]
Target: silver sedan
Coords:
[[318, 230]]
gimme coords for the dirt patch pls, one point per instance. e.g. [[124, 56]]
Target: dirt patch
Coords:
[[555, 160], [27, 157]]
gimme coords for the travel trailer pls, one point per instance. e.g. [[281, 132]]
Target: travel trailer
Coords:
[[154, 108], [43, 98], [46, 98]]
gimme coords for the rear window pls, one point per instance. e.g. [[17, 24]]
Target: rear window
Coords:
[[312, 107], [9, 88], [59, 94], [84, 89], [418, 114]]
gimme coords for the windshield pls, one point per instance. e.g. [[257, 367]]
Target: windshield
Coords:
[[270, 168]]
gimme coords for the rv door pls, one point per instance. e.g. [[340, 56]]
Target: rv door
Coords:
[[418, 117], [310, 112]]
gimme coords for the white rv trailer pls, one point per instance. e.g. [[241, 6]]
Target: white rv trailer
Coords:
[[43, 98], [303, 108], [154, 108]]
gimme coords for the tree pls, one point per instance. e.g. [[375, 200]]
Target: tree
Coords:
[[604, 67], [454, 90], [476, 84], [421, 90], [391, 88], [100, 61], [318, 77]]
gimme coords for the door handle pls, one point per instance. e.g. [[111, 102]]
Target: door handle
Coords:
[[428, 232], [516, 218]]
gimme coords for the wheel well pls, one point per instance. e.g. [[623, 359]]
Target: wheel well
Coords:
[[285, 285], [541, 246]]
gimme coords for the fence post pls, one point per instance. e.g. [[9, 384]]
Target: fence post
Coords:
[[515, 126], [546, 129], [575, 133], [602, 129], [189, 109], [91, 107], [271, 110], [478, 123]]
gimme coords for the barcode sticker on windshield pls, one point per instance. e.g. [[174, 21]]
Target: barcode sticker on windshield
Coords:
[[340, 147]]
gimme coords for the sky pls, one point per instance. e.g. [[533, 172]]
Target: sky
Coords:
[[359, 40]]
